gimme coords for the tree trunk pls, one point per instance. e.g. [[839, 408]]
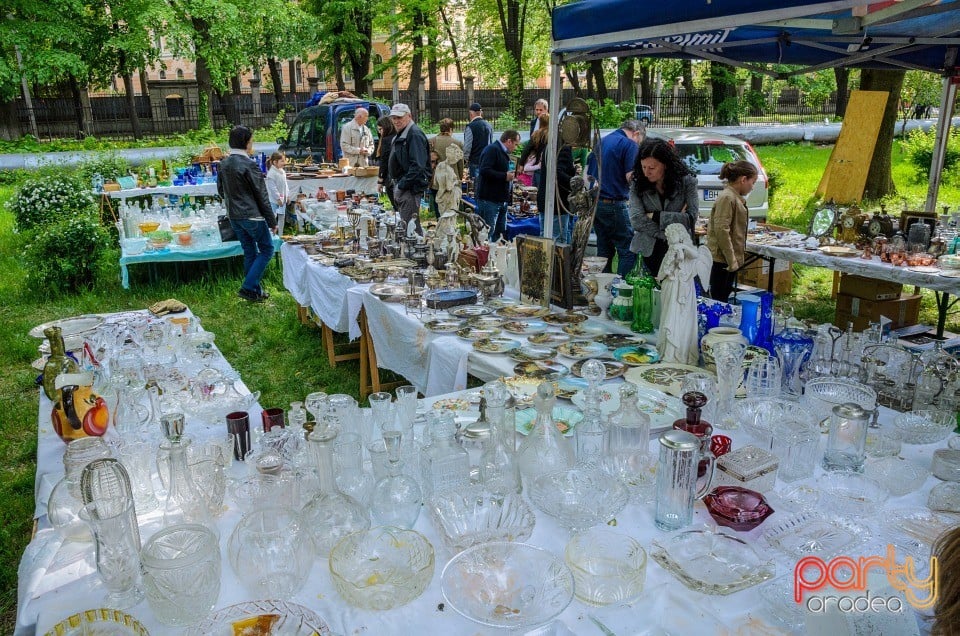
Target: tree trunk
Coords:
[[293, 80], [597, 67], [690, 105], [723, 83], [362, 19], [338, 68], [453, 48], [9, 122], [78, 110], [273, 64], [879, 177], [756, 82], [843, 89], [229, 107], [626, 81], [513, 20], [646, 84], [416, 64], [132, 106], [574, 78]]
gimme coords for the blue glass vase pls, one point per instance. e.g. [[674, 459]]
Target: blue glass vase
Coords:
[[749, 325], [765, 330], [793, 347]]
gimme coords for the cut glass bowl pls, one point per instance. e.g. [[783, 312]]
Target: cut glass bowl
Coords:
[[507, 585], [381, 568], [579, 498], [820, 395], [711, 562], [924, 427], [852, 494], [474, 515], [897, 476]]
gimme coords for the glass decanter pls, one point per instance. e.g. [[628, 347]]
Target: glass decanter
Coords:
[[444, 464], [626, 443], [590, 433], [330, 514], [184, 503], [397, 497], [352, 479], [694, 424], [499, 471], [58, 362], [544, 450]]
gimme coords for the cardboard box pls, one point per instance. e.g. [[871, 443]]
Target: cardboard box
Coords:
[[902, 312], [756, 275], [869, 288]]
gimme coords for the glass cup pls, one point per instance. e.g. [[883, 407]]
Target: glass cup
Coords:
[[181, 573], [764, 378], [608, 567]]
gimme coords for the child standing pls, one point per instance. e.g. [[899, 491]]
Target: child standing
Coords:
[[727, 228], [277, 187]]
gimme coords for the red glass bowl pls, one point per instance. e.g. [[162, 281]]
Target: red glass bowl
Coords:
[[738, 508]]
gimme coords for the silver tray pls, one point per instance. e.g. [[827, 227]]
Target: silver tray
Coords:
[[390, 293], [70, 326]]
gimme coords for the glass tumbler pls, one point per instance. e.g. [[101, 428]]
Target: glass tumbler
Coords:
[[846, 444], [181, 573], [608, 567], [764, 378], [796, 444]]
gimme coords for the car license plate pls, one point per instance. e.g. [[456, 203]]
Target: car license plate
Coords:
[[710, 195]]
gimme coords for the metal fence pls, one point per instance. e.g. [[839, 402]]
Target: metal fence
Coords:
[[108, 116]]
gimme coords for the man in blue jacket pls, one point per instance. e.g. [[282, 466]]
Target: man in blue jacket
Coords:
[[497, 170]]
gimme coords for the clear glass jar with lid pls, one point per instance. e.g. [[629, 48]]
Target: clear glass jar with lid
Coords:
[[444, 464], [544, 450]]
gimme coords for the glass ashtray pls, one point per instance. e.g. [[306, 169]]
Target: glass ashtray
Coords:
[[507, 585], [579, 498], [474, 515], [711, 562], [897, 476], [737, 508], [924, 427], [809, 533], [852, 494]]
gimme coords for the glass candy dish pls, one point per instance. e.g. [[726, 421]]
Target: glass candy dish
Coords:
[[897, 476], [809, 533], [507, 585], [109, 622], [759, 416], [275, 616], [945, 464], [822, 394], [924, 427], [474, 515], [737, 508], [579, 498], [852, 494], [381, 568], [608, 567], [711, 562]]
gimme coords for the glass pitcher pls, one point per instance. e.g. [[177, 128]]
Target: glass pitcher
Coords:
[[677, 479]]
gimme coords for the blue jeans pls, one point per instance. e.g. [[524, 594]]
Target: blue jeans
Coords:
[[564, 234], [257, 244], [614, 233], [495, 214], [474, 170]]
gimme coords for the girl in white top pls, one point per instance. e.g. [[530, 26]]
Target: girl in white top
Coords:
[[277, 187]]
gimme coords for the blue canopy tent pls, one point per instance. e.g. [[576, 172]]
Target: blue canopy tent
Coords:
[[904, 34]]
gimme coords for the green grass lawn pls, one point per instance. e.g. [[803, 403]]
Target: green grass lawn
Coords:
[[267, 345]]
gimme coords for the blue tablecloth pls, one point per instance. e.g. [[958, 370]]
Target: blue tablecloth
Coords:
[[515, 226], [175, 253]]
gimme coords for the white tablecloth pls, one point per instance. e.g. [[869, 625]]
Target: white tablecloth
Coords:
[[322, 288]]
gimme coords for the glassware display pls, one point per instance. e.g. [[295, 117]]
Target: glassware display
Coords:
[[381, 568], [767, 322], [737, 508], [793, 348], [728, 358], [181, 573], [397, 497], [499, 471], [117, 540], [846, 444], [764, 378], [444, 464], [626, 445], [579, 498], [100, 620], [897, 476], [925, 427], [58, 362], [608, 567], [711, 562], [271, 553], [677, 479], [507, 585], [544, 450], [66, 500], [274, 616], [474, 515], [330, 514], [184, 502], [590, 433], [352, 479]]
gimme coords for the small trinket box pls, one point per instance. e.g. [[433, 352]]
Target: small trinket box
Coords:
[[750, 467]]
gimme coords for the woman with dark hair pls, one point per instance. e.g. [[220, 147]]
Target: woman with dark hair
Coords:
[[531, 157], [387, 133], [663, 192]]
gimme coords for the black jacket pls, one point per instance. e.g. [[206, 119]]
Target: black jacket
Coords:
[[492, 184], [410, 160], [386, 143], [565, 170], [241, 186]]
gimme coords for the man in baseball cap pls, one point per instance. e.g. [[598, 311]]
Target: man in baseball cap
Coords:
[[476, 136], [409, 165]]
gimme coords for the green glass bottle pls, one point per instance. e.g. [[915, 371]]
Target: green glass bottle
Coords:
[[643, 284], [58, 362]]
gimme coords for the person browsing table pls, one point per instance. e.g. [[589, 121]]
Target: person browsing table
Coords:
[[495, 182], [727, 227], [409, 165]]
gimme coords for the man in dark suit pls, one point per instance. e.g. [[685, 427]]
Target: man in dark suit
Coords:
[[495, 182]]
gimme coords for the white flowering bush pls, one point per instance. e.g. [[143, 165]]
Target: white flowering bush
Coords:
[[49, 199], [64, 256]]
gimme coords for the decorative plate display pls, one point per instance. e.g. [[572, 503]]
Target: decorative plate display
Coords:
[[569, 386], [711, 562], [565, 418], [663, 376], [522, 388], [500, 303], [564, 319], [663, 409], [452, 404], [525, 327], [638, 355], [523, 311], [472, 333], [541, 369], [810, 533], [549, 338], [270, 617], [485, 322], [616, 340], [69, 326], [530, 352], [609, 400], [470, 311], [495, 345], [585, 330], [99, 621], [614, 368], [582, 349], [444, 325]]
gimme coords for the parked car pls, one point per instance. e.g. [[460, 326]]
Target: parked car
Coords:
[[644, 114], [316, 130], [705, 153]]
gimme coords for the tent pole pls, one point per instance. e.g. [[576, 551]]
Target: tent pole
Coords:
[[550, 183], [940, 143]]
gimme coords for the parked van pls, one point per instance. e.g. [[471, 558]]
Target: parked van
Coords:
[[316, 130]]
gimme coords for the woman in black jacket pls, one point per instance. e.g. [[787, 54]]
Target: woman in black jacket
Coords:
[[387, 133]]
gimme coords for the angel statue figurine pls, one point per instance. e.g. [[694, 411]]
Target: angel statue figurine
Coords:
[[449, 191], [677, 340], [582, 204]]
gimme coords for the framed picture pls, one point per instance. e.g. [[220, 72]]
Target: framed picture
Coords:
[[562, 292], [909, 217], [535, 267]]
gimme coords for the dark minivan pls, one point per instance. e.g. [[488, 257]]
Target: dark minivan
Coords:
[[316, 130]]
